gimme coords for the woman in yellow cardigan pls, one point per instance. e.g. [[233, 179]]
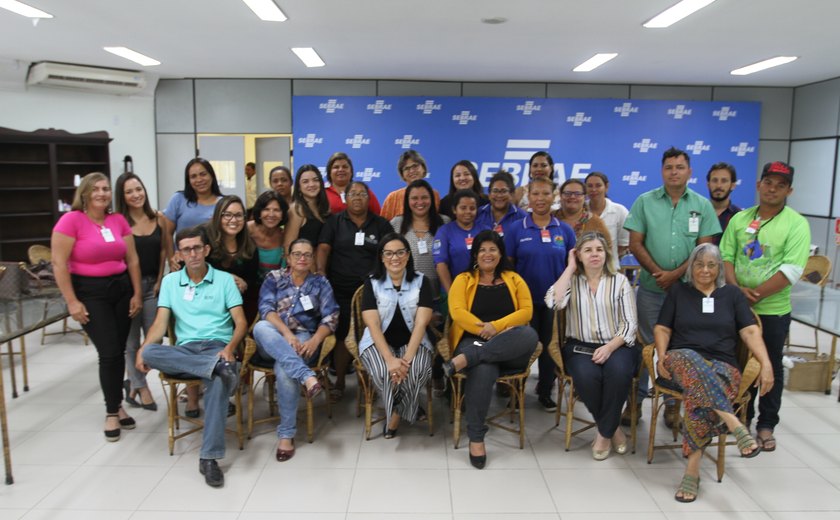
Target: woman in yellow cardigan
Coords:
[[490, 307]]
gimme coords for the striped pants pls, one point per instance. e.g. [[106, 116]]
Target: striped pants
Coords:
[[404, 397]]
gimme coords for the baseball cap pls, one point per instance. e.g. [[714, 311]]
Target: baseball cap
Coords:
[[779, 168]]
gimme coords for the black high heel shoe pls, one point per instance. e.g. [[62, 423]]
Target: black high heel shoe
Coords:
[[478, 461]]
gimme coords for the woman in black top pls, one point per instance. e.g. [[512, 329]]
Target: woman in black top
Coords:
[[346, 255], [149, 240], [462, 176], [696, 336], [310, 209]]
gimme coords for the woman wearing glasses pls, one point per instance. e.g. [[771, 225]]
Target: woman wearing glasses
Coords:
[[600, 332], [574, 211], [411, 167], [395, 348], [501, 212], [539, 245], [347, 254], [298, 311]]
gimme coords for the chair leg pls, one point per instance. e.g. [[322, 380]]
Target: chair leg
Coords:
[[654, 413], [430, 411], [240, 434], [634, 415], [570, 416], [560, 391], [12, 369], [23, 364], [456, 420], [520, 392], [173, 411], [310, 420], [721, 457], [251, 406]]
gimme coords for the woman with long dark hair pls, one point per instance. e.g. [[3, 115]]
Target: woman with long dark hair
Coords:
[[462, 176], [310, 208], [339, 175], [266, 230]]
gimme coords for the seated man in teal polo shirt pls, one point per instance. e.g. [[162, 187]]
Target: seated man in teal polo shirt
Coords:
[[209, 324]]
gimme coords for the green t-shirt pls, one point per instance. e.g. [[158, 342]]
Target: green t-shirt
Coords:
[[669, 238], [782, 244]]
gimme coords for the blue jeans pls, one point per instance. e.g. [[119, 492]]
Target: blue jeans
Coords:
[[648, 305], [290, 370], [198, 359], [774, 330]]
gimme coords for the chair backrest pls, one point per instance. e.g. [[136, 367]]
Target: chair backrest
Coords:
[[357, 326], [558, 337], [817, 270], [39, 252], [442, 345]]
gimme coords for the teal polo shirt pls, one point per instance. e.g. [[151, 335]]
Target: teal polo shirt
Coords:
[[202, 310], [668, 239]]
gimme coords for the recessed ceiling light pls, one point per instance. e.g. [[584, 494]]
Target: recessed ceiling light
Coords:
[[266, 10], [676, 13], [595, 61], [136, 57], [496, 20], [23, 9], [308, 56], [762, 65]]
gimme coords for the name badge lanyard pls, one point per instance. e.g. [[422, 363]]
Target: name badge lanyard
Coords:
[[756, 225]]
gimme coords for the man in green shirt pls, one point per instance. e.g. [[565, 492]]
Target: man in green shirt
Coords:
[[665, 225], [764, 250]]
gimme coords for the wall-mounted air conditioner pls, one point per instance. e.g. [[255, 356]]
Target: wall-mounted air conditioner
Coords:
[[80, 77]]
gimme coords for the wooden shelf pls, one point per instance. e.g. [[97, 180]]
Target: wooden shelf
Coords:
[[32, 214], [22, 240], [81, 163], [24, 188], [25, 163]]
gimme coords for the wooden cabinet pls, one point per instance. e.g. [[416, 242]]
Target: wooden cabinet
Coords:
[[37, 170]]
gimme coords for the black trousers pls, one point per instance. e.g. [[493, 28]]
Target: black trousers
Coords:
[[106, 299]]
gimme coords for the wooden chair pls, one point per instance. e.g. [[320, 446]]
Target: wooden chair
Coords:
[[367, 390], [564, 380], [253, 363], [817, 271], [514, 382], [173, 387], [37, 254], [750, 369]]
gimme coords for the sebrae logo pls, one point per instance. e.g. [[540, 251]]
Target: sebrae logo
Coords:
[[367, 174], [579, 119], [724, 113], [464, 118], [516, 157], [634, 178], [379, 107], [742, 149], [528, 108], [626, 109], [679, 111], [357, 141], [428, 107], [698, 147], [644, 145], [407, 141], [331, 106], [310, 140]]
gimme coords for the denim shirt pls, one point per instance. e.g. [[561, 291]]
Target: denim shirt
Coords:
[[279, 294], [387, 299]]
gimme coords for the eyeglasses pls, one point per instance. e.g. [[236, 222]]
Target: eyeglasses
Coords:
[[226, 215], [189, 251], [297, 255], [413, 167], [711, 266], [499, 191], [399, 253], [572, 194], [357, 195]]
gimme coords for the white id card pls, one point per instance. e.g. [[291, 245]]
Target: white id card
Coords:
[[106, 234], [708, 305], [189, 293], [306, 302], [343, 197], [422, 247], [360, 238], [693, 224]]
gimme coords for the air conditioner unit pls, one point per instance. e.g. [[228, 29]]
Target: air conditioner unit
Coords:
[[80, 77]]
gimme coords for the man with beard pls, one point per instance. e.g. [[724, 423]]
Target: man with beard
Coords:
[[721, 180]]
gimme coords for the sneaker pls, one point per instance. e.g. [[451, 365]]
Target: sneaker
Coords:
[[212, 472], [626, 419], [672, 414], [547, 403]]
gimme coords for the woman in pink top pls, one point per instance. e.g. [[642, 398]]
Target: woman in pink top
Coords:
[[98, 272]]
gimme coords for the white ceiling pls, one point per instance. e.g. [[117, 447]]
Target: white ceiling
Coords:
[[436, 39]]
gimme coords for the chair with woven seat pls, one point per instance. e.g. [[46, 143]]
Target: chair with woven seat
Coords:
[[570, 397], [750, 369], [514, 382], [366, 390], [253, 363]]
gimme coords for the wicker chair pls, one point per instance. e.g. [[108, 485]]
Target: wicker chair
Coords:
[[367, 390], [750, 369], [514, 382], [253, 363], [570, 398], [817, 271]]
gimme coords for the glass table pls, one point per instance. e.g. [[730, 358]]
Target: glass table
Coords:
[[23, 313], [818, 307]]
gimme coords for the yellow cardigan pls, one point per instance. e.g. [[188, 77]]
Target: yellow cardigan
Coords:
[[462, 294]]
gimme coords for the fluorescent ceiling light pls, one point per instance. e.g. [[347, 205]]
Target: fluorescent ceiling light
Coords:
[[308, 56], [676, 13], [594, 62], [136, 57], [23, 9], [266, 10], [761, 65]]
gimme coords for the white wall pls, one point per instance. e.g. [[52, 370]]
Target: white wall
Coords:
[[129, 121]]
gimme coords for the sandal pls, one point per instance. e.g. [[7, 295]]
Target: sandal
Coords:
[[690, 485], [745, 441], [768, 443]]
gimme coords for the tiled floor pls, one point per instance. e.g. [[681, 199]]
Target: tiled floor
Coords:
[[65, 470]]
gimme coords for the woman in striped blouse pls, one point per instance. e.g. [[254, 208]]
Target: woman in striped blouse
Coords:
[[599, 352]]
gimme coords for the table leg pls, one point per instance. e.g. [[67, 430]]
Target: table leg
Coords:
[[4, 427], [12, 369], [23, 363], [831, 366]]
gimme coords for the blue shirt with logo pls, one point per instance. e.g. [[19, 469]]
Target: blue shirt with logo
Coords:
[[450, 247], [485, 219], [539, 263]]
